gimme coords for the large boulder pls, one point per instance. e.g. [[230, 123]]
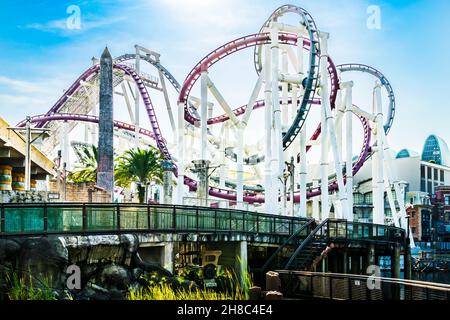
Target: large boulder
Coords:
[[114, 277], [46, 259]]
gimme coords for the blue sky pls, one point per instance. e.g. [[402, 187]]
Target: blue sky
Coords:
[[40, 57]]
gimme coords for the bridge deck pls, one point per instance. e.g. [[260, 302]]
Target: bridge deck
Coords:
[[81, 218]]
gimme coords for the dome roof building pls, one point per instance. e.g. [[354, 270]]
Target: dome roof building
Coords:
[[435, 150]]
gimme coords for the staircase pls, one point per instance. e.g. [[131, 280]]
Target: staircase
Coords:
[[310, 249]]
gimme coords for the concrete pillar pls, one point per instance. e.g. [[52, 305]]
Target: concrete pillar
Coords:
[[355, 264], [167, 181], [344, 262], [202, 166], [370, 257], [168, 256], [395, 263], [333, 264], [408, 263], [325, 265], [105, 174], [242, 262]]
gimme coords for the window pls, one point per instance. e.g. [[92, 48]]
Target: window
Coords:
[[435, 177], [413, 230], [447, 200], [442, 176], [429, 187], [368, 198], [422, 172], [422, 185], [413, 214], [429, 173]]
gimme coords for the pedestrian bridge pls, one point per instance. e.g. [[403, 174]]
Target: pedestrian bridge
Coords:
[[267, 242], [92, 218]]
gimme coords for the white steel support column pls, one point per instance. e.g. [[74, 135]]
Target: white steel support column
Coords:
[[324, 132], [315, 202], [269, 207], [303, 172], [240, 169], [392, 174], [204, 114], [278, 157], [136, 99], [65, 144], [341, 208], [284, 91], [167, 100], [349, 148], [180, 181], [378, 214]]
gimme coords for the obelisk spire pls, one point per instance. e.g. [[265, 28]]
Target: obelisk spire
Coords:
[[105, 172]]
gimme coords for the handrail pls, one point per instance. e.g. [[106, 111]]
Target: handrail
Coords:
[[352, 287], [116, 218], [294, 235], [305, 242]]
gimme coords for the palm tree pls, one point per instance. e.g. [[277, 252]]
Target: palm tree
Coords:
[[142, 166], [86, 167]]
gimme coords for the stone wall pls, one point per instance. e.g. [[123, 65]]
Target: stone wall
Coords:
[[24, 197], [108, 264], [79, 192]]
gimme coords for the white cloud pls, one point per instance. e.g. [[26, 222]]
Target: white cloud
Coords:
[[21, 86]]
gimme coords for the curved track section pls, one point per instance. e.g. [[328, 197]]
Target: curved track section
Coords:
[[90, 119], [314, 66], [251, 41], [384, 82], [142, 90]]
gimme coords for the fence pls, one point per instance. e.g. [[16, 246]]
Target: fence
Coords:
[[71, 218], [312, 285]]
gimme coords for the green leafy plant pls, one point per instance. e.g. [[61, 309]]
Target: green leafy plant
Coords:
[[142, 166], [86, 167]]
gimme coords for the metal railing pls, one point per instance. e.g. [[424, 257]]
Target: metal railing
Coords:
[[82, 218], [334, 229], [312, 285], [214, 203]]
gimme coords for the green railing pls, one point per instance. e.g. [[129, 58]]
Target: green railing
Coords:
[[72, 218]]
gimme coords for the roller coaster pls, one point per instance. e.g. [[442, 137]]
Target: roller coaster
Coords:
[[295, 77]]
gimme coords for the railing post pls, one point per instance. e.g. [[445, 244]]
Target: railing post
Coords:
[[328, 230], [45, 220], [118, 218], [197, 220], [84, 212], [174, 219], [2, 225], [273, 225], [229, 217], [346, 229], [149, 218], [215, 220], [243, 221], [257, 223]]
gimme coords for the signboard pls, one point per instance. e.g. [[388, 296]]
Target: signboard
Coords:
[[53, 196]]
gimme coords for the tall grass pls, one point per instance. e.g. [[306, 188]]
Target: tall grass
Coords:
[[23, 288], [236, 289]]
